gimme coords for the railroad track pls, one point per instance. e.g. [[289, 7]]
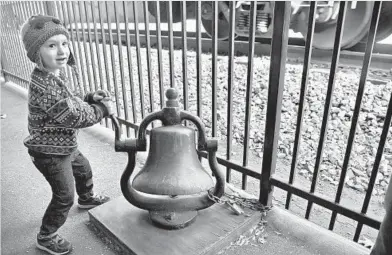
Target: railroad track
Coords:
[[381, 58]]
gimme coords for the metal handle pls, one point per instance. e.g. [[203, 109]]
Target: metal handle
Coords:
[[163, 202]]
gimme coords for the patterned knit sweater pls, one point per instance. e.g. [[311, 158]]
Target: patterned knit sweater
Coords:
[[56, 114]]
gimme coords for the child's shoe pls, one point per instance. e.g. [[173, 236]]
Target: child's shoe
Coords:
[[92, 201], [53, 244]]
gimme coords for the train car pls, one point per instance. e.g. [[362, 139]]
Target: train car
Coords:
[[356, 22]]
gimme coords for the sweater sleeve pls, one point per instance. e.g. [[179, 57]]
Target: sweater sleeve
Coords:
[[71, 111]]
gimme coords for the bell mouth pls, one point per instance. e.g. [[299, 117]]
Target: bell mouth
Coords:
[[172, 220], [172, 166]]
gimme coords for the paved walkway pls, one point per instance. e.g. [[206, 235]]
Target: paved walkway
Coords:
[[25, 195]]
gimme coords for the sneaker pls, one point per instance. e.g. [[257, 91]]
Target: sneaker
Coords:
[[92, 201], [53, 244]]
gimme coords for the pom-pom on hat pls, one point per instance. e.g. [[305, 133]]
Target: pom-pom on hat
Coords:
[[39, 28]]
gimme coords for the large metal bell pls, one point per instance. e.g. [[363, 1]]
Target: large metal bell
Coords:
[[172, 167], [172, 185]]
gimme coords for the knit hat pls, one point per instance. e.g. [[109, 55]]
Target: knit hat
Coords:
[[39, 28]]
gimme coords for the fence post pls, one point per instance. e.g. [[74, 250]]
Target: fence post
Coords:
[[281, 22], [50, 8], [2, 60]]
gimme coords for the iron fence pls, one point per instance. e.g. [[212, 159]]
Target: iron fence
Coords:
[[100, 31]]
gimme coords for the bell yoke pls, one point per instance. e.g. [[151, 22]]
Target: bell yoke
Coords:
[[172, 185]]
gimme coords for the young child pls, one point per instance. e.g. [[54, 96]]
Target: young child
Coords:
[[55, 115]]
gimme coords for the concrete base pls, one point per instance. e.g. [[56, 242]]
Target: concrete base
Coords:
[[131, 229]]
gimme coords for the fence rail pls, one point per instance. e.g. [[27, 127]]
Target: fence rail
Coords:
[[106, 59]]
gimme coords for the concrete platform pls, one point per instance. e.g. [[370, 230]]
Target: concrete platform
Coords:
[[131, 229]]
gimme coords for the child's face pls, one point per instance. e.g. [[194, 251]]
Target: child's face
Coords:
[[55, 52]]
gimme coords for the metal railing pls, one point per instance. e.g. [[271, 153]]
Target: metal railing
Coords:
[[105, 51]]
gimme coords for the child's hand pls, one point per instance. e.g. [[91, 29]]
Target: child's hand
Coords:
[[107, 102], [100, 94]]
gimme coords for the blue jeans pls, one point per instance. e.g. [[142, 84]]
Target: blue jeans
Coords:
[[61, 172]]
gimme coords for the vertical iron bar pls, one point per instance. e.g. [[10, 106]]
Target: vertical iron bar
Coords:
[[76, 83], [87, 59], [279, 44], [22, 70], [184, 56], [139, 60], [38, 7], [79, 48], [30, 9], [160, 59], [34, 7], [26, 10], [13, 39], [93, 66], [4, 60], [7, 39], [18, 12], [67, 21], [148, 50], [361, 88], [98, 52], [120, 55], [105, 54], [327, 106], [21, 11], [113, 61], [199, 69], [70, 77], [171, 49], [8, 15], [3, 56], [25, 61], [41, 7], [249, 82], [230, 84], [50, 8], [8, 31], [94, 19], [130, 69], [58, 10], [105, 58], [215, 9], [46, 6], [304, 85], [380, 149]]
